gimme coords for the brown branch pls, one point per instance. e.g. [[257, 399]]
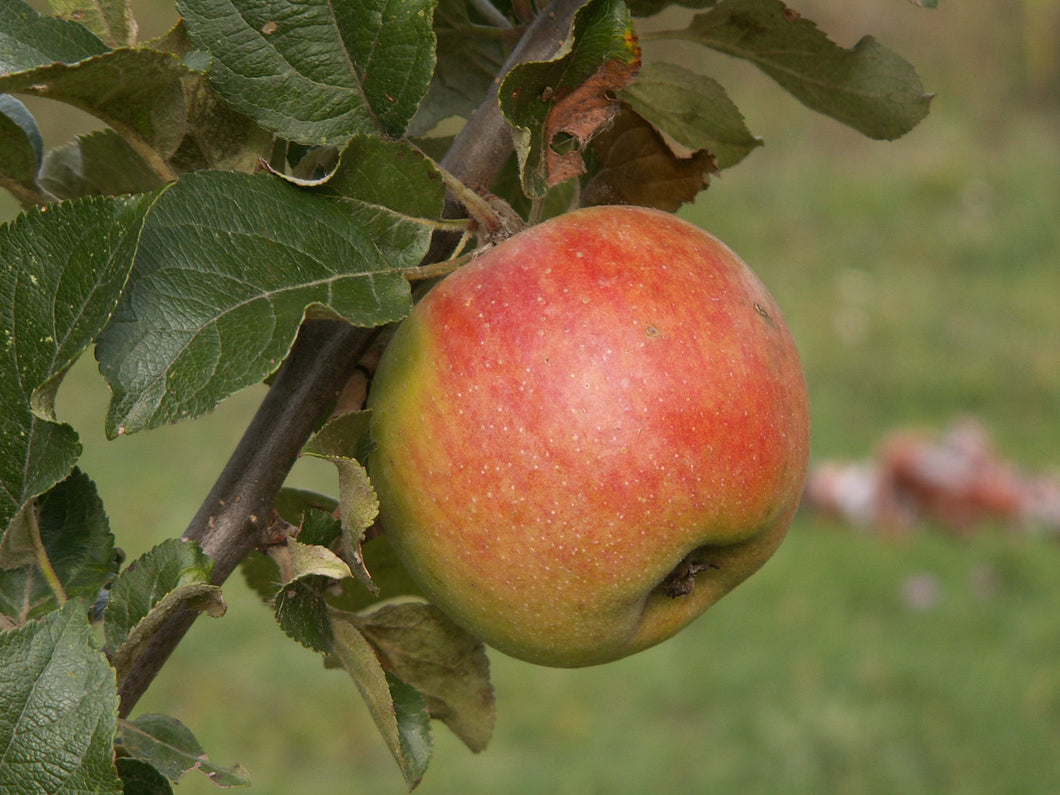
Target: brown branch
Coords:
[[237, 511]]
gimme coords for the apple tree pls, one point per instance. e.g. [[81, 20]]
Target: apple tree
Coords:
[[272, 187]]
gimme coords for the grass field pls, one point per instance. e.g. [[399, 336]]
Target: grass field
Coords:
[[921, 279]]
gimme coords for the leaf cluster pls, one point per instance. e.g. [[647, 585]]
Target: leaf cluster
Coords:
[[263, 166]]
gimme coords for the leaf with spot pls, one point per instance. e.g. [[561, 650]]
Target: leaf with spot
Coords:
[[111, 20], [318, 71], [636, 165], [62, 270], [58, 708]]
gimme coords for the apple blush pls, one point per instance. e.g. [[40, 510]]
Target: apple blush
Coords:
[[589, 434]]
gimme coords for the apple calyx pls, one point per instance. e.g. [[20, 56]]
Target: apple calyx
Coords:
[[682, 580]]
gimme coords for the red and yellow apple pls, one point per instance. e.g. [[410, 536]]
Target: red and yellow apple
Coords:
[[589, 434]]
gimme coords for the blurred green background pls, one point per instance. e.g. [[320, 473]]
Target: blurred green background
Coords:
[[921, 279]]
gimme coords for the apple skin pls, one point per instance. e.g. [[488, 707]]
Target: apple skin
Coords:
[[589, 434]]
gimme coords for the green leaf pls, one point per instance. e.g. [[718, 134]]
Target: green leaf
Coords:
[[99, 163], [58, 708], [469, 58], [339, 442], [868, 87], [140, 778], [318, 523], [312, 514], [647, 8], [302, 613], [21, 146], [29, 39], [169, 746], [692, 109], [560, 198], [344, 436], [564, 102], [313, 560], [391, 174], [296, 506], [307, 569], [151, 589], [78, 543], [216, 136], [318, 71], [399, 711], [135, 91], [110, 20], [261, 574], [61, 271], [228, 266], [442, 661], [635, 165]]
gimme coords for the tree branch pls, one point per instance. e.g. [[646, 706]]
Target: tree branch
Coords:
[[238, 509], [230, 523]]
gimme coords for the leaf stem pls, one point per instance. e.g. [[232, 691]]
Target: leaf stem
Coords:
[[136, 141], [28, 195], [41, 555], [436, 270], [148, 153]]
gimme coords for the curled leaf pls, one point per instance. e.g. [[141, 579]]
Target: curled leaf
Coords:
[[637, 166], [169, 746], [442, 661], [693, 110], [339, 442], [558, 105], [398, 710], [579, 115]]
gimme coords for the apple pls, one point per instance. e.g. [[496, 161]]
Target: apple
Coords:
[[589, 434]]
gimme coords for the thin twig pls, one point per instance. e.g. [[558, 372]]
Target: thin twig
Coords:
[[491, 13]]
